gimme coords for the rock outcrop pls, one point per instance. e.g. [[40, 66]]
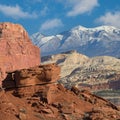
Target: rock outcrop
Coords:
[[16, 49], [39, 75], [51, 101]]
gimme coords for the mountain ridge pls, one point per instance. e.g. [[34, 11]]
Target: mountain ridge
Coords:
[[102, 40]]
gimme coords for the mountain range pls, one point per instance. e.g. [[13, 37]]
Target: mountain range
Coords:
[[102, 40]]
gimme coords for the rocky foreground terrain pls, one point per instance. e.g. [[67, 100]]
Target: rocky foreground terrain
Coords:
[[31, 92], [101, 73]]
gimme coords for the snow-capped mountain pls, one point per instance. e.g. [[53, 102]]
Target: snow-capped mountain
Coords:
[[103, 40]]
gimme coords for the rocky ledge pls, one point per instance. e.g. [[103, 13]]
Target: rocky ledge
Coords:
[[39, 75], [51, 101]]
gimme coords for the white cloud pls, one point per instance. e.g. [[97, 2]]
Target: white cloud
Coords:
[[15, 12], [110, 19], [44, 11], [80, 6], [51, 24]]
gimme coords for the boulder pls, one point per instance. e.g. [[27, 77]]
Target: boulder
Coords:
[[39, 75], [43, 74]]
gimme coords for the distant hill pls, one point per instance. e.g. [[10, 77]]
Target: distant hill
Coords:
[[101, 73]]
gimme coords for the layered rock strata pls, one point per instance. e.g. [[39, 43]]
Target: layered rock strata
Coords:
[[39, 75]]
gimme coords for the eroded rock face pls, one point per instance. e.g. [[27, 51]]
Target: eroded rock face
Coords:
[[16, 49], [43, 74], [51, 101], [38, 75]]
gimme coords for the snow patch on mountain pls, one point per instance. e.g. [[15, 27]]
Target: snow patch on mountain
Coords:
[[102, 40]]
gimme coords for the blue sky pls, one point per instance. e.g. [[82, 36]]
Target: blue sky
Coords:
[[55, 16]]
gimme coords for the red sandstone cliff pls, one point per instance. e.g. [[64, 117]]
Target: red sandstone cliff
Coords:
[[16, 49]]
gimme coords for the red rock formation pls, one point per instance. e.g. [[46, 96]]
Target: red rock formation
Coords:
[[16, 49], [43, 74], [37, 75], [53, 101]]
